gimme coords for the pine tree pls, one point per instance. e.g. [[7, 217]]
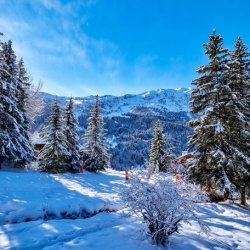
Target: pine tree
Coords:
[[54, 154], [211, 165], [23, 87], [15, 145], [95, 153], [71, 133], [156, 151], [239, 122]]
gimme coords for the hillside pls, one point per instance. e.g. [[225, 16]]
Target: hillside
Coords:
[[83, 211], [129, 121]]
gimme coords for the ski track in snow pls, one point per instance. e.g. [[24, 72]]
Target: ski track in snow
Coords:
[[24, 195]]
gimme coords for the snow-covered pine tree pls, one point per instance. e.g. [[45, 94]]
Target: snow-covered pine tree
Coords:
[[52, 157], [239, 122], [23, 88], [71, 133], [212, 162], [3, 100], [95, 154], [16, 149], [23, 85], [156, 151]]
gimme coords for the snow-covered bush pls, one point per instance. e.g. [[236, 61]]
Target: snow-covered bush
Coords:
[[162, 203]]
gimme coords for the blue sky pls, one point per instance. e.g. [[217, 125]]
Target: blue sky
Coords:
[[83, 47]]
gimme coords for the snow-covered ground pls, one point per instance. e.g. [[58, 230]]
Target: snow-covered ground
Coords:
[[33, 197]]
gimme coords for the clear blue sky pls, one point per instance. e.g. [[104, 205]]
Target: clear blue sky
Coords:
[[82, 47]]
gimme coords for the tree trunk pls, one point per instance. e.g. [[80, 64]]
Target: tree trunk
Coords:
[[1, 161], [226, 194], [208, 186], [243, 196]]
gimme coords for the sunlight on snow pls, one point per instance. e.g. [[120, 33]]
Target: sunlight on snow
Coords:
[[4, 239], [49, 228], [74, 186]]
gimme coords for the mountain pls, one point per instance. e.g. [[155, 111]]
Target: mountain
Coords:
[[130, 120]]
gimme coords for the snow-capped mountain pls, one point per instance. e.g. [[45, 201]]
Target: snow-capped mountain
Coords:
[[168, 100], [130, 120]]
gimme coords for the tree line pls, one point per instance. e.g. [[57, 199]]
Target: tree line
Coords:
[[19, 103], [220, 142], [62, 151], [15, 148]]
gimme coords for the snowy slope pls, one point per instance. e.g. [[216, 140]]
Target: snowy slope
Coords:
[[167, 100], [27, 196], [23, 195]]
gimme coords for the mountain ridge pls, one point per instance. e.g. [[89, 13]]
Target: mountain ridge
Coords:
[[170, 100], [129, 121]]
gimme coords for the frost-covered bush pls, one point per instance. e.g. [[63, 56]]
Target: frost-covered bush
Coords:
[[163, 204]]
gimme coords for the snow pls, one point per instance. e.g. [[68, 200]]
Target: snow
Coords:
[[219, 128], [33, 195], [4, 85], [145, 94], [77, 102], [169, 100], [36, 139], [112, 141], [24, 195], [104, 231]]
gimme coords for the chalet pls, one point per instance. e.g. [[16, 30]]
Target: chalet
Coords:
[[37, 142], [184, 157]]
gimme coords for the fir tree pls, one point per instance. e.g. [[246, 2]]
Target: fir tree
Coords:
[[239, 122], [211, 165], [95, 153], [156, 151], [15, 145], [71, 133], [54, 154], [23, 86], [23, 89]]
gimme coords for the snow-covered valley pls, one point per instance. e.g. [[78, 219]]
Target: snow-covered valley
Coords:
[[26, 197], [131, 118]]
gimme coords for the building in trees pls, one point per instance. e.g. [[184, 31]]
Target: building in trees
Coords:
[[95, 154]]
